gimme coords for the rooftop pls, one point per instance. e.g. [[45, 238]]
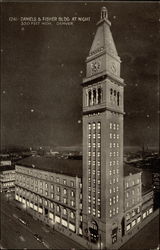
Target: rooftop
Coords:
[[128, 170], [60, 166], [6, 168]]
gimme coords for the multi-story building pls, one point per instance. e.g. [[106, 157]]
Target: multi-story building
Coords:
[[51, 190], [7, 178], [103, 139], [132, 198]]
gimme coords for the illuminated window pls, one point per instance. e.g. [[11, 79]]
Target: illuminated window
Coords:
[[64, 211], [89, 126], [64, 182], [110, 213], [110, 172], [114, 126], [117, 198], [110, 163], [114, 211], [93, 125], [117, 210], [58, 208], [117, 136], [117, 145], [99, 125], [110, 190], [99, 154], [99, 213], [58, 189], [114, 153], [114, 190], [99, 135], [114, 200], [64, 191], [72, 215], [110, 201], [110, 135], [117, 126]]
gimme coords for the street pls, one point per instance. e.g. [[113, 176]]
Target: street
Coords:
[[17, 235], [148, 238]]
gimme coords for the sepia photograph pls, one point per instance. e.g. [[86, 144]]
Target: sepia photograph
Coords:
[[80, 149]]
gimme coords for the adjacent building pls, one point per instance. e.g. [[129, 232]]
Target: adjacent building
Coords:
[[7, 178], [51, 190]]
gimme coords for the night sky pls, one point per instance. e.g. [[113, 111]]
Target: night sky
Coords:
[[43, 67]]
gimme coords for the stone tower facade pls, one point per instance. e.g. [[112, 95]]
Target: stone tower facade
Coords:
[[103, 140]]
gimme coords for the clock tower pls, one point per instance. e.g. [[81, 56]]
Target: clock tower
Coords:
[[103, 140]]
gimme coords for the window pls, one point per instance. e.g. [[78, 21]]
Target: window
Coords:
[[99, 95], [89, 98], [118, 98], [94, 125], [99, 213], [133, 223], [51, 187], [58, 189], [110, 135], [110, 201], [64, 191], [128, 227], [99, 125], [111, 93], [110, 125], [64, 211], [138, 219], [64, 182], [128, 217], [72, 203], [58, 208], [110, 213], [72, 215], [72, 184], [57, 179]]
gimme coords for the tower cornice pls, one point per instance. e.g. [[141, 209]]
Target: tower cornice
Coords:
[[102, 76]]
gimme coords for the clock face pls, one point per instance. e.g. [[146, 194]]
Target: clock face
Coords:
[[95, 66], [113, 67]]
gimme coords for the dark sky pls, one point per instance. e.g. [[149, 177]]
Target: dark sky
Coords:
[[43, 67]]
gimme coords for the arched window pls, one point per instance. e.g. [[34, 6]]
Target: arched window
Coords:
[[118, 98], [111, 93], [94, 96], [89, 97], [99, 95], [115, 94]]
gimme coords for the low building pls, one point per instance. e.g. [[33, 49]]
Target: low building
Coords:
[[132, 198], [51, 190], [147, 202], [7, 178]]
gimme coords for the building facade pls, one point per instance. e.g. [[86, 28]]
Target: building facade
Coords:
[[7, 178], [53, 197], [103, 139]]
